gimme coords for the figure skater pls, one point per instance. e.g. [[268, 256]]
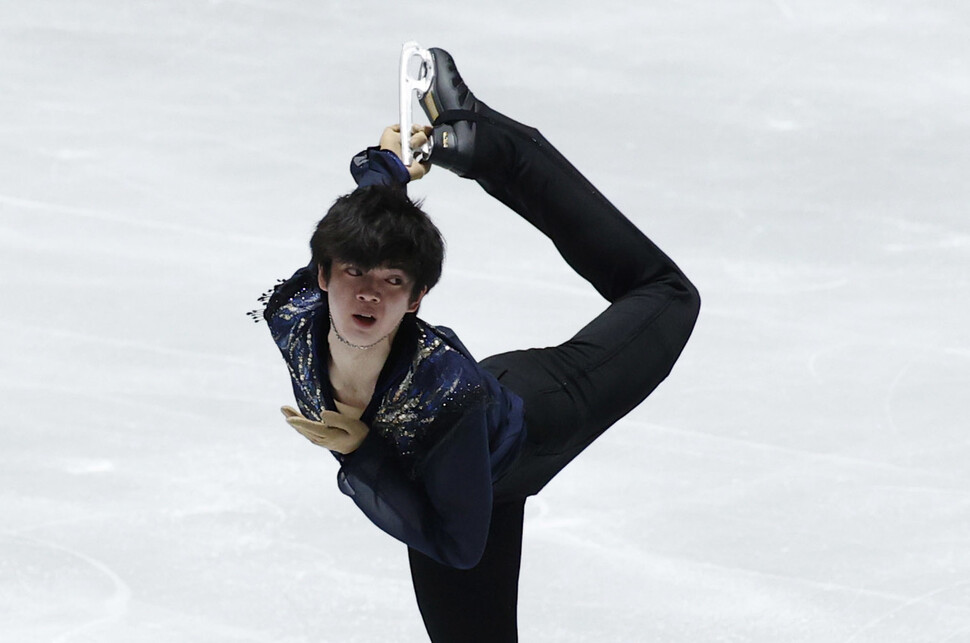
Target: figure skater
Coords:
[[440, 450]]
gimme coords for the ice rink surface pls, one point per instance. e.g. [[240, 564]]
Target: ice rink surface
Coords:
[[802, 476]]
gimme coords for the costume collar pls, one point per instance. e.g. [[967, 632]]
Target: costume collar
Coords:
[[395, 366]]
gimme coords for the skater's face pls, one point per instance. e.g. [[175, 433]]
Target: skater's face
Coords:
[[367, 305]]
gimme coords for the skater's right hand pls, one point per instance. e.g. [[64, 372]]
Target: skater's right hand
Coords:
[[391, 140], [335, 431]]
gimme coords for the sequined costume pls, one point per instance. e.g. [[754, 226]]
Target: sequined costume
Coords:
[[502, 429], [442, 429]]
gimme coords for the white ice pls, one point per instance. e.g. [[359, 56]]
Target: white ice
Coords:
[[803, 474]]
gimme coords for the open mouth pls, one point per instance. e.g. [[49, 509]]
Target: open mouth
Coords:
[[365, 321]]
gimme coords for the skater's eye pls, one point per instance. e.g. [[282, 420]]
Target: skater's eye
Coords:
[[395, 281], [353, 271]]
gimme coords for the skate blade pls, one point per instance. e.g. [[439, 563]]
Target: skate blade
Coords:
[[416, 76]]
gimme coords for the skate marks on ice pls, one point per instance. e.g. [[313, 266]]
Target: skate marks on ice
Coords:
[[785, 527], [129, 220], [891, 390], [770, 277], [803, 474], [51, 587], [653, 591], [175, 574], [882, 626]]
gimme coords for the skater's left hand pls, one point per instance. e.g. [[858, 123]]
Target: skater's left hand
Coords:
[[391, 140], [335, 431]]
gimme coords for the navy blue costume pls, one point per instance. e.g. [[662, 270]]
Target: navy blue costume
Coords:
[[451, 479], [443, 430]]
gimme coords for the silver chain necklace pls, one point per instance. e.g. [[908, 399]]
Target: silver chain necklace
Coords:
[[346, 342]]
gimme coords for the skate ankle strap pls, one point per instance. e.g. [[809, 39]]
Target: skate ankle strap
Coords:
[[455, 115]]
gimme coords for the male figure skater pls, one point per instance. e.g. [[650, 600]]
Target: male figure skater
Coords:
[[437, 449]]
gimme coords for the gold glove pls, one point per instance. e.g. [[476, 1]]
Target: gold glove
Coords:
[[335, 431]]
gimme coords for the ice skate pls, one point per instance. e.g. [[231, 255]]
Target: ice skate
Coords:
[[452, 110]]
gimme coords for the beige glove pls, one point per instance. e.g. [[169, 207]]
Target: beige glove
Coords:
[[391, 140], [335, 432]]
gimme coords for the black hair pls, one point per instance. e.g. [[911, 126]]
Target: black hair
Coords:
[[380, 226]]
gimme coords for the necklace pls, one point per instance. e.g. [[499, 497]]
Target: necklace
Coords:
[[346, 342]]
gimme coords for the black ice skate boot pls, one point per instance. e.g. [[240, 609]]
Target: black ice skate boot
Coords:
[[454, 112]]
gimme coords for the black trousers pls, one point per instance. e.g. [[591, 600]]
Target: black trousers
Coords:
[[572, 392]]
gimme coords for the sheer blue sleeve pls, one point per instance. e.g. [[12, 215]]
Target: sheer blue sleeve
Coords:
[[444, 509], [375, 166]]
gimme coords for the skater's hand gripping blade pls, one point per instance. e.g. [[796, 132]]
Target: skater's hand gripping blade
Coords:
[[335, 431], [391, 140]]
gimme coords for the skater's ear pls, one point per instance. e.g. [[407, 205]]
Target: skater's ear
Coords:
[[416, 302], [322, 278]]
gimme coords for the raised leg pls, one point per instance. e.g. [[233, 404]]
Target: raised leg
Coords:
[[575, 391]]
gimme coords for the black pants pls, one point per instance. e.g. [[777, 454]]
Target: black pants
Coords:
[[572, 392]]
